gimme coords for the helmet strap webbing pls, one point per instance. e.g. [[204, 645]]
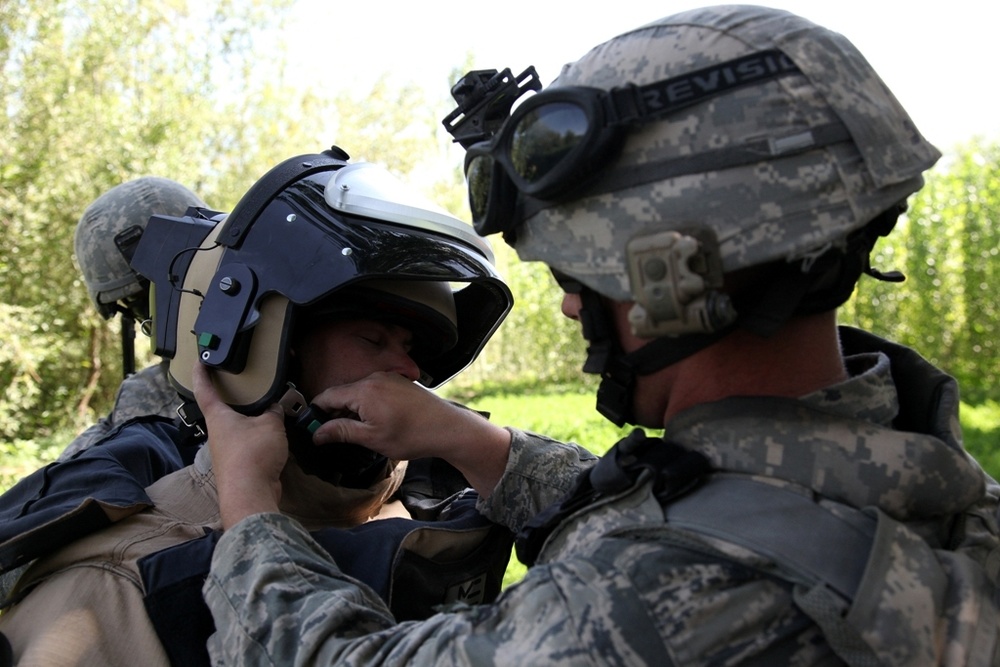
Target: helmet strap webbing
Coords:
[[616, 391], [619, 370], [821, 284], [128, 338], [128, 344]]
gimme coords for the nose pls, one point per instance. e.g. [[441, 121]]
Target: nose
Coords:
[[405, 365], [571, 305]]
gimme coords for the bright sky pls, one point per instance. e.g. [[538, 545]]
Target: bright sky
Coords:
[[940, 59]]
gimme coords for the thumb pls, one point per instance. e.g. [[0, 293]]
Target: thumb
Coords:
[[204, 391]]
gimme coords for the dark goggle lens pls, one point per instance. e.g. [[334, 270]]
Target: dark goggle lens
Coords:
[[544, 136], [479, 176]]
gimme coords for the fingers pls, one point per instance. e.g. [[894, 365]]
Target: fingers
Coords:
[[277, 410], [365, 394]]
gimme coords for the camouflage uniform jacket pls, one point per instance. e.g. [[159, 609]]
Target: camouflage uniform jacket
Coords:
[[617, 584], [147, 392]]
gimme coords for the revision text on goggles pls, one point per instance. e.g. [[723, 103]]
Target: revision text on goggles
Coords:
[[560, 138]]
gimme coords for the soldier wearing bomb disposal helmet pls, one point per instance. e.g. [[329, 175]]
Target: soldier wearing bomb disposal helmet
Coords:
[[707, 189], [325, 272]]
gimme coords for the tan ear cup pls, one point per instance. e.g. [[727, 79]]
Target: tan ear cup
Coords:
[[261, 374]]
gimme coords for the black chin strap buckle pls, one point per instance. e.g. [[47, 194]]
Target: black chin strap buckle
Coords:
[[191, 421], [614, 395], [605, 358]]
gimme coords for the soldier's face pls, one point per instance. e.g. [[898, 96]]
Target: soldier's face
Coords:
[[344, 351]]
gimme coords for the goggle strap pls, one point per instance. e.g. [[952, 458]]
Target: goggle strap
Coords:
[[634, 103], [722, 158]]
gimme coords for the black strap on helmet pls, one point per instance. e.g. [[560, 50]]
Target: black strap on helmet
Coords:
[[270, 185], [617, 369]]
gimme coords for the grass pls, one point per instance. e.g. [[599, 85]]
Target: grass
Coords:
[[981, 432], [567, 415]]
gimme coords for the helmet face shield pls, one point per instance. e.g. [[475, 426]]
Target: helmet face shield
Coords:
[[234, 306]]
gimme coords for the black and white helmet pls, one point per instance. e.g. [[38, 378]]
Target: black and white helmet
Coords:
[[315, 235]]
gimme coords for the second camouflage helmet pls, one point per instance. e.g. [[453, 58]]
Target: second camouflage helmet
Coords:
[[106, 272]]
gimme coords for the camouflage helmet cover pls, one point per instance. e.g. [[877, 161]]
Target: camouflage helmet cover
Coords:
[[800, 196], [105, 271]]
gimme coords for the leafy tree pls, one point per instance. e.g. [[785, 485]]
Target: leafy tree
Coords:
[[96, 92], [947, 245]]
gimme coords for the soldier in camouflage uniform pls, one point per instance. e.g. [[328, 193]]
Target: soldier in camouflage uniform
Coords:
[[809, 501], [115, 288]]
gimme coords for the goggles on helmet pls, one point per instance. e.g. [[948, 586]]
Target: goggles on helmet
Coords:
[[558, 140]]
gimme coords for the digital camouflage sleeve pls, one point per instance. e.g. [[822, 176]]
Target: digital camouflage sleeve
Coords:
[[290, 619]]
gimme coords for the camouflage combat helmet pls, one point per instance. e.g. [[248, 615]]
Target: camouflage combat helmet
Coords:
[[124, 207], [779, 170], [725, 140]]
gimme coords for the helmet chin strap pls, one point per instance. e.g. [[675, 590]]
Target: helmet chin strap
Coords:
[[762, 314], [820, 284], [619, 370]]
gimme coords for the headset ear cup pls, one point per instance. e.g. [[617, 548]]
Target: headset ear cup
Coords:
[[263, 376], [263, 345]]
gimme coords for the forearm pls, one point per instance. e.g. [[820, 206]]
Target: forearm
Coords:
[[539, 471], [480, 452], [242, 496]]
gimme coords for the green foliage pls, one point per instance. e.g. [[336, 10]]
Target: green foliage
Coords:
[[567, 414], [97, 92], [536, 345], [22, 357], [19, 458], [948, 245], [981, 432]]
